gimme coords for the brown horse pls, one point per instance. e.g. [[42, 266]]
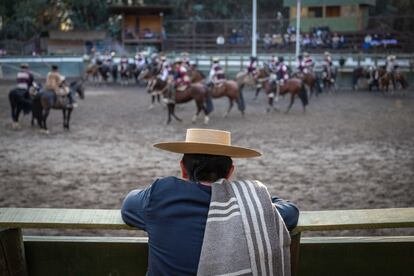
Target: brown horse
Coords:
[[385, 79], [46, 100], [155, 86], [229, 89], [311, 82], [294, 87], [195, 91], [92, 73], [195, 75]]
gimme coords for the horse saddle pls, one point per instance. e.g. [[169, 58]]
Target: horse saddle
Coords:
[[182, 87]]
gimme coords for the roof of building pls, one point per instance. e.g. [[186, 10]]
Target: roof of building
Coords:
[[291, 3]]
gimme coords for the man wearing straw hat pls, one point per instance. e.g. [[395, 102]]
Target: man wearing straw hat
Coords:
[[24, 78], [206, 224]]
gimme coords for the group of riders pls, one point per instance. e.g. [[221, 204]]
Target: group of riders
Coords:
[[55, 84], [176, 73]]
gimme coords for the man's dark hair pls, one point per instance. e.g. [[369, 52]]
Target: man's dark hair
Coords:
[[206, 167]]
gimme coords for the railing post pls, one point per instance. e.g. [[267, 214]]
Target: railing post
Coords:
[[241, 63], [12, 257], [294, 253], [225, 63]]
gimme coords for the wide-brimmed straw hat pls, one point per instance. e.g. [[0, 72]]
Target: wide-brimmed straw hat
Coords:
[[208, 141]]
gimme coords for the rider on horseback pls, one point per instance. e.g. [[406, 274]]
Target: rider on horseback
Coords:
[[123, 63], [308, 63], [327, 67], [301, 65], [24, 78], [180, 80], [282, 74], [391, 68], [140, 61], [163, 71], [186, 59], [216, 75], [55, 83]]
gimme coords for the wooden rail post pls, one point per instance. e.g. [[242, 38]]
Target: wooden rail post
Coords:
[[294, 253], [12, 258]]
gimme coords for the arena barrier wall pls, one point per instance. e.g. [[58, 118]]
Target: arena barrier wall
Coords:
[[63, 255]]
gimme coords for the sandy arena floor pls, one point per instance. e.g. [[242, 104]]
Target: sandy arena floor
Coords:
[[351, 150]]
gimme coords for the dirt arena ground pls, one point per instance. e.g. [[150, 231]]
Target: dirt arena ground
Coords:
[[351, 150]]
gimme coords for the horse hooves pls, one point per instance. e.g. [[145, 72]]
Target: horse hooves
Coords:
[[44, 131]]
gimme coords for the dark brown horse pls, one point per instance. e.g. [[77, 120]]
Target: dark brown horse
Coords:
[[229, 89], [385, 79], [46, 100], [294, 87], [155, 86], [329, 79], [195, 91], [195, 75], [311, 82]]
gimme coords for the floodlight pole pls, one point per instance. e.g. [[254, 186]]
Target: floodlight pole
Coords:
[[254, 27], [298, 14]]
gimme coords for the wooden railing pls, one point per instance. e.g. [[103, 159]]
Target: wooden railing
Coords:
[[35, 218]]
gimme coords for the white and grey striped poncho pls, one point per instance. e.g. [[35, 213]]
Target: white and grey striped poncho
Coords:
[[245, 234]]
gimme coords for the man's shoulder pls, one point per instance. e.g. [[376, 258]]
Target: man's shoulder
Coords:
[[168, 182]]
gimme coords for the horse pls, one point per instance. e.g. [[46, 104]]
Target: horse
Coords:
[[311, 81], [385, 79], [195, 74], [155, 86], [92, 71], [244, 78], [329, 79], [195, 91], [21, 100], [294, 87], [357, 74], [46, 100], [231, 90]]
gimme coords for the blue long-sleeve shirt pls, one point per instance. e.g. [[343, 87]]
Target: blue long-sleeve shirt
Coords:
[[174, 212]]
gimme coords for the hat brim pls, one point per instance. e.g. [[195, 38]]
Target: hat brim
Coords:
[[206, 148]]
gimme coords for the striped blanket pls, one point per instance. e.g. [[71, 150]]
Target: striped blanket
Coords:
[[245, 234]]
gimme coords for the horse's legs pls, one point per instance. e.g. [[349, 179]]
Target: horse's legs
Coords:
[[173, 113], [230, 107], [199, 108], [158, 98], [292, 99], [64, 117], [270, 102], [68, 118], [257, 93], [45, 114]]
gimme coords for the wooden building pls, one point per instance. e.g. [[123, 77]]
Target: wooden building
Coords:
[[338, 15], [142, 25], [73, 42]]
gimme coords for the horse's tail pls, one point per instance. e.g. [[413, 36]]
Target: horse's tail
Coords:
[[404, 83], [303, 95], [240, 103], [37, 108]]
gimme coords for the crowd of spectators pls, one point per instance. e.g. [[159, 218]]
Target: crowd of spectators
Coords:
[[320, 37], [377, 41]]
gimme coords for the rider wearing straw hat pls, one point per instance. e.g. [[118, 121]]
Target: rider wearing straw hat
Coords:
[[327, 66], [390, 67], [55, 82], [24, 78], [193, 222], [216, 75]]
